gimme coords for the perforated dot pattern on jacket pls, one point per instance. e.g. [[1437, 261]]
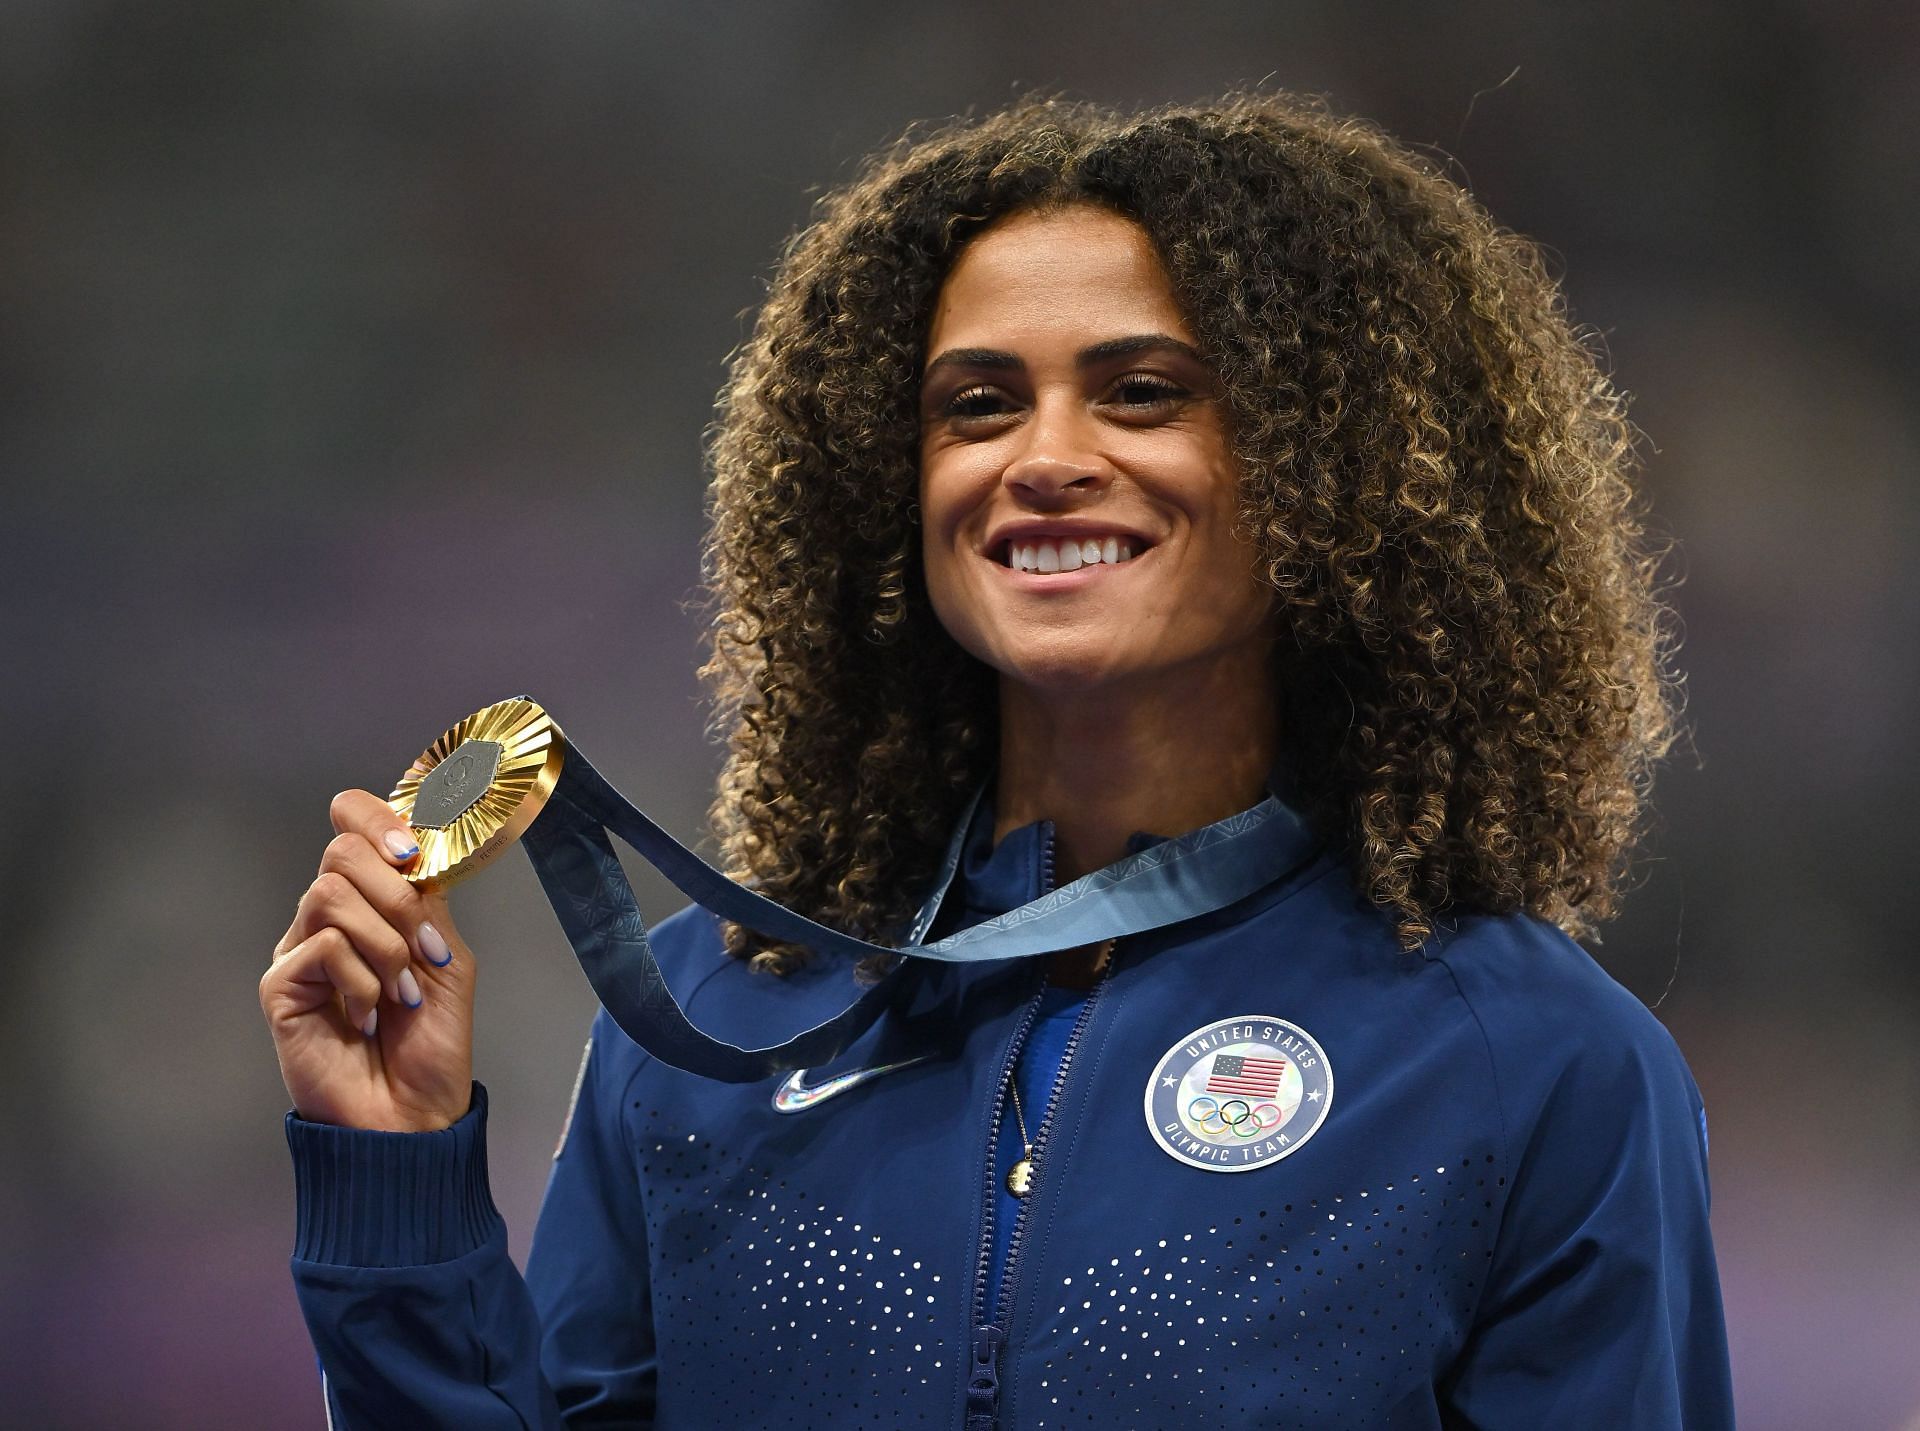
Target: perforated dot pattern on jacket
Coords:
[[1337, 1301], [816, 1310], [775, 1306]]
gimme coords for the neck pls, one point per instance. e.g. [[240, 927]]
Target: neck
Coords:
[[1166, 759]]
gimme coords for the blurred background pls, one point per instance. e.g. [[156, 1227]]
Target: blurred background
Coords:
[[354, 362]]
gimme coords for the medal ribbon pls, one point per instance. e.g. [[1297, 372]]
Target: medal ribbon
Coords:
[[1193, 874]]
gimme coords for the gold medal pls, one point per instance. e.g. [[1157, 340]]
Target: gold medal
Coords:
[[476, 789]]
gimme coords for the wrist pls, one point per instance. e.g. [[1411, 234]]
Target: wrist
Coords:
[[394, 1115]]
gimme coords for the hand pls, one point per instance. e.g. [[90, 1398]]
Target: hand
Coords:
[[370, 994]]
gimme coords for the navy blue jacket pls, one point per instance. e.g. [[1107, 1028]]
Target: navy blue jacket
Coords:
[[1498, 1218]]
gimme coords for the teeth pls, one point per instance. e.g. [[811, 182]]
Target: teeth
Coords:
[[1056, 555]]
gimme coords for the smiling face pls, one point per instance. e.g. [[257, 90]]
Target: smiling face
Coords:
[[1077, 483]]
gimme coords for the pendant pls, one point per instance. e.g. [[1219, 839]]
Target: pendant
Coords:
[[1020, 1178]]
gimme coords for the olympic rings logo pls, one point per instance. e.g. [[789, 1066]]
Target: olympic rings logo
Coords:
[[1235, 1116]]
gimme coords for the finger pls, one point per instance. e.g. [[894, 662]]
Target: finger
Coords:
[[334, 901], [314, 973], [286, 942], [419, 914], [290, 940], [361, 812]]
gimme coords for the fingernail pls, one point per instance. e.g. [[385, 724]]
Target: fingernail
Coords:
[[400, 845], [373, 1019], [434, 947], [409, 989]]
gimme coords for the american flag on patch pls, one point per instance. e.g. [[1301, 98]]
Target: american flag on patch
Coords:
[[1245, 1077]]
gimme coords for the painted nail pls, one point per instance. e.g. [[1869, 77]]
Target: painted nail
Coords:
[[400, 845], [373, 1020], [409, 989], [434, 947]]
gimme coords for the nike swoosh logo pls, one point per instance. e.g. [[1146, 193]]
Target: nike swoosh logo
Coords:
[[796, 1095]]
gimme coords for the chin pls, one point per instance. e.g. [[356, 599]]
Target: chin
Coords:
[[1060, 667]]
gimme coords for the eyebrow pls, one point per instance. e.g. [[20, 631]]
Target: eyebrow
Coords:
[[1085, 358]]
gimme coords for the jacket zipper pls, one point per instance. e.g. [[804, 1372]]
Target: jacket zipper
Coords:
[[983, 1383]]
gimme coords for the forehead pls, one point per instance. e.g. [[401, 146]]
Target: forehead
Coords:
[[1080, 274]]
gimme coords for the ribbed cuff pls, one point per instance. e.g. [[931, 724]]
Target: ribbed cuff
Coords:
[[369, 1199]]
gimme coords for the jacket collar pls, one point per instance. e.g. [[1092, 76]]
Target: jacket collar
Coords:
[[979, 879]]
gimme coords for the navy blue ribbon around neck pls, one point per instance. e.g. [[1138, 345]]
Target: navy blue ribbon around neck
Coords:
[[1192, 874]]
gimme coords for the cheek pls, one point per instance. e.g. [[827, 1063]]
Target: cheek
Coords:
[[936, 494], [955, 605], [955, 486], [1246, 602], [1237, 592], [937, 569], [942, 511]]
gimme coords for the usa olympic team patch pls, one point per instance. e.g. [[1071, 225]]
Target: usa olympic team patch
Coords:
[[1239, 1094]]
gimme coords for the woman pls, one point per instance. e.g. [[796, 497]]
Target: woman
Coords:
[[1125, 469]]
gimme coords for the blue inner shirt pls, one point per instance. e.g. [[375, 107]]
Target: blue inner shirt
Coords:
[[991, 880], [1035, 1074]]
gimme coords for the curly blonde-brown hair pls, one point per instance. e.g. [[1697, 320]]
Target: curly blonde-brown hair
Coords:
[[1435, 470]]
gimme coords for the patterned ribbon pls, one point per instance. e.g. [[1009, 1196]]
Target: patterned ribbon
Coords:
[[1193, 874]]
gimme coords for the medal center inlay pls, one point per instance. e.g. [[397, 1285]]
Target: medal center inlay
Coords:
[[453, 785]]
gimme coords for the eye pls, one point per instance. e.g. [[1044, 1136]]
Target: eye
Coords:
[[979, 400], [1145, 393]]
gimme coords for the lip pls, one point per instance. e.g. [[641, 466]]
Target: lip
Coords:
[[1028, 531], [1065, 581]]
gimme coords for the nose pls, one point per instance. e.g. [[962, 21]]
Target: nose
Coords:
[[1059, 456]]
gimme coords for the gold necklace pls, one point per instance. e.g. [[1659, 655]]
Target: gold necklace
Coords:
[[1020, 1175]]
